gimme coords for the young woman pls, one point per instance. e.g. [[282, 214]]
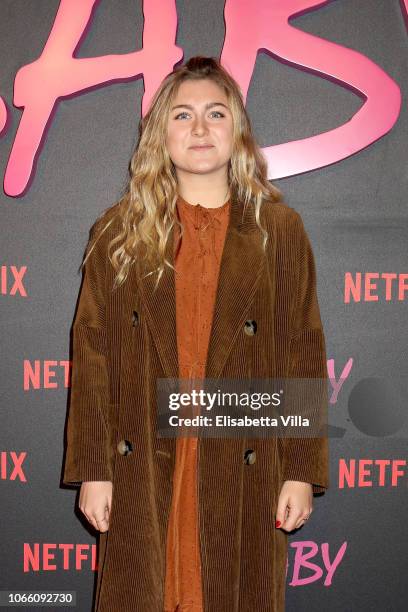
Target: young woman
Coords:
[[200, 270]]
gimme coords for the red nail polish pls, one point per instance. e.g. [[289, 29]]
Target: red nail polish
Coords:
[[277, 523]]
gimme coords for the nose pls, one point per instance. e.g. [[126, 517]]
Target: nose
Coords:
[[199, 126]]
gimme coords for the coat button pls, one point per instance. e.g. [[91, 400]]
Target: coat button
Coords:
[[135, 318], [250, 327], [125, 447], [249, 457]]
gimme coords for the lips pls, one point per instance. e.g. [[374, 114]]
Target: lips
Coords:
[[202, 147]]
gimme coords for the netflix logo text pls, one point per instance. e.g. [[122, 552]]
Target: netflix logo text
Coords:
[[371, 473], [11, 280], [11, 465], [50, 557], [375, 286], [47, 374]]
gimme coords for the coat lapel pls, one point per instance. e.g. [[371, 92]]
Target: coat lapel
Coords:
[[241, 268]]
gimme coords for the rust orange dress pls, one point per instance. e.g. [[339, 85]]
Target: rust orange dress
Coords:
[[197, 265]]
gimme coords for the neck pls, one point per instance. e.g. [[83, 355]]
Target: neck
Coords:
[[207, 200], [200, 190]]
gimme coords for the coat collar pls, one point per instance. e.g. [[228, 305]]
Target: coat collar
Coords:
[[241, 268]]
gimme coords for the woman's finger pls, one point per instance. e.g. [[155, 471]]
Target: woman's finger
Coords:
[[90, 519], [102, 523], [292, 519], [302, 521]]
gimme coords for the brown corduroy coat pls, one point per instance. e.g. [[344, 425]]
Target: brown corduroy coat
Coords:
[[122, 342]]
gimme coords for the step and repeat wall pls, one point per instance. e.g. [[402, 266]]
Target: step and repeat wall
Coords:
[[324, 87]]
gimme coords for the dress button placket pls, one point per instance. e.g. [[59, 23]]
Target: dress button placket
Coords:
[[197, 261]]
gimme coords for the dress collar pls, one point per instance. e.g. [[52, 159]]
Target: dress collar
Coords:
[[183, 205], [239, 220]]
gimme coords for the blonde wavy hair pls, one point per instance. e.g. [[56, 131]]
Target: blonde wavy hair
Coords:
[[146, 211]]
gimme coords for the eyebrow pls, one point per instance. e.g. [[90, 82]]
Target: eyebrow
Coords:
[[209, 105]]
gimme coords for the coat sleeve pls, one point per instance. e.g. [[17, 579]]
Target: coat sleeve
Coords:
[[87, 432], [306, 459]]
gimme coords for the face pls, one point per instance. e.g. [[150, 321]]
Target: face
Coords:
[[200, 128]]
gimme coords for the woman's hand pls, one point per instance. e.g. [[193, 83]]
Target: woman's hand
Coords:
[[95, 501], [295, 504]]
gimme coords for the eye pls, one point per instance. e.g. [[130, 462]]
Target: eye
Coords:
[[184, 113], [179, 115]]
